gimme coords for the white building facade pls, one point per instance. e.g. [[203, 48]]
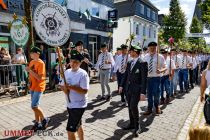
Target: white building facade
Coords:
[[139, 18]]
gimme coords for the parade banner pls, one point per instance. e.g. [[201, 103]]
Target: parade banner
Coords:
[[19, 32], [52, 23]]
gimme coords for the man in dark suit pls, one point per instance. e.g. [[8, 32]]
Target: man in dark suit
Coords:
[[134, 83]]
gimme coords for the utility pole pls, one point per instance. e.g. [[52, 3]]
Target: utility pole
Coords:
[[28, 14]]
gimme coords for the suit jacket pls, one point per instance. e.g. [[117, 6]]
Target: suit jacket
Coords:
[[84, 65], [134, 81]]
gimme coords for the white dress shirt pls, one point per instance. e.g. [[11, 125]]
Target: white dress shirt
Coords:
[[133, 63], [173, 66], [194, 62], [118, 63], [161, 64], [107, 57], [198, 59], [187, 61], [176, 59]]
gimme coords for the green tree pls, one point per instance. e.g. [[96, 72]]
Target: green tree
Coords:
[[175, 23], [160, 37], [205, 10], [195, 27]]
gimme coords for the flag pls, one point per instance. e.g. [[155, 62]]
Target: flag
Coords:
[[87, 14]]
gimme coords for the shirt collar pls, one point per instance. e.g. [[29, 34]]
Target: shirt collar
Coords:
[[135, 59]]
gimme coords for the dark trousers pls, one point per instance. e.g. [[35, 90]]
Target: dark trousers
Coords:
[[165, 85], [153, 91], [196, 75], [205, 64], [21, 74], [191, 74], [183, 77], [133, 100], [119, 79]]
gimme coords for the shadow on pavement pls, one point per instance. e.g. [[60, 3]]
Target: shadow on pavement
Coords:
[[95, 103], [180, 96], [119, 133], [146, 121], [104, 114], [57, 119]]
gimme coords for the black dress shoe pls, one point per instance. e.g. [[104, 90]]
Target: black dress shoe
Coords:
[[136, 133], [162, 101], [108, 98], [129, 127], [102, 98]]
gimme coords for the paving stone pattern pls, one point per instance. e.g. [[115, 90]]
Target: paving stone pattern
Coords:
[[102, 120]]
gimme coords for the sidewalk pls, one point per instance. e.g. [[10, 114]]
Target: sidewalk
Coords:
[[102, 120], [196, 118]]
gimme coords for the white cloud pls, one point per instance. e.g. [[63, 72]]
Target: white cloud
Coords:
[[164, 11]]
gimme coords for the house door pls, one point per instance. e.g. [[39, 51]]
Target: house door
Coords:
[[93, 48]]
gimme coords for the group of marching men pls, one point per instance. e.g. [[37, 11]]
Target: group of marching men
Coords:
[[139, 73], [149, 72]]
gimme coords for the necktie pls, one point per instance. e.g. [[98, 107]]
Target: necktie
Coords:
[[132, 64], [151, 64], [102, 61], [122, 65], [183, 61]]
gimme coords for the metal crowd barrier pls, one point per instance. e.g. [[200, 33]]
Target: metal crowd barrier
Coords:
[[12, 79]]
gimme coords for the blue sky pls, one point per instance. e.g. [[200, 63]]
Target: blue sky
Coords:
[[187, 6]]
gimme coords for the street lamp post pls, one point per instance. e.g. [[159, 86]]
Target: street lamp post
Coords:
[[28, 14]]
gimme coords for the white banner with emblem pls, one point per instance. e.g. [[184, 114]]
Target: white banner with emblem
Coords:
[[52, 23]]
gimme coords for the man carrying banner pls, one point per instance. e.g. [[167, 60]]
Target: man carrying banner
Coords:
[[119, 69], [184, 64], [76, 89], [176, 58], [156, 67], [167, 77]]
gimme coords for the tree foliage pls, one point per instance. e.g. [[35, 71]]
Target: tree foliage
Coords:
[[175, 23], [205, 10], [196, 27]]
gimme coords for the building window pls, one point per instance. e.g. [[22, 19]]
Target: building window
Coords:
[[148, 12], [142, 9], [95, 11], [144, 31], [153, 15], [150, 32], [137, 29]]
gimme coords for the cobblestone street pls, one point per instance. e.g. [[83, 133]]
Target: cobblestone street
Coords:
[[102, 120]]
